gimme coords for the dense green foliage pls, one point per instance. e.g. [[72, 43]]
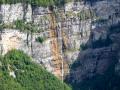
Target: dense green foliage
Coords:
[[40, 39], [29, 76], [36, 2]]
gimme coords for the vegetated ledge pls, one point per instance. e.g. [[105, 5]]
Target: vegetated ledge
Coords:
[[18, 72], [43, 3]]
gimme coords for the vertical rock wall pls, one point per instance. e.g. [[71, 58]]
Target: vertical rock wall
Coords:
[[76, 29]]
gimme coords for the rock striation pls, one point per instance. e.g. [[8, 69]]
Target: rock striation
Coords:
[[73, 26]]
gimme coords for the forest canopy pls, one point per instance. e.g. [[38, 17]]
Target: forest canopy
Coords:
[[19, 72]]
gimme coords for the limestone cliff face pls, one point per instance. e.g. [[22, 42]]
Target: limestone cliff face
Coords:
[[14, 12], [72, 28], [43, 53]]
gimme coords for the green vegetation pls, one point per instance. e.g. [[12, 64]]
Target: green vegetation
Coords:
[[28, 75], [37, 2], [22, 26], [25, 27], [44, 3], [40, 39], [19, 24]]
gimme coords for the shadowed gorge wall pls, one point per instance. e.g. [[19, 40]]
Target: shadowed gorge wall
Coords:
[[97, 65]]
